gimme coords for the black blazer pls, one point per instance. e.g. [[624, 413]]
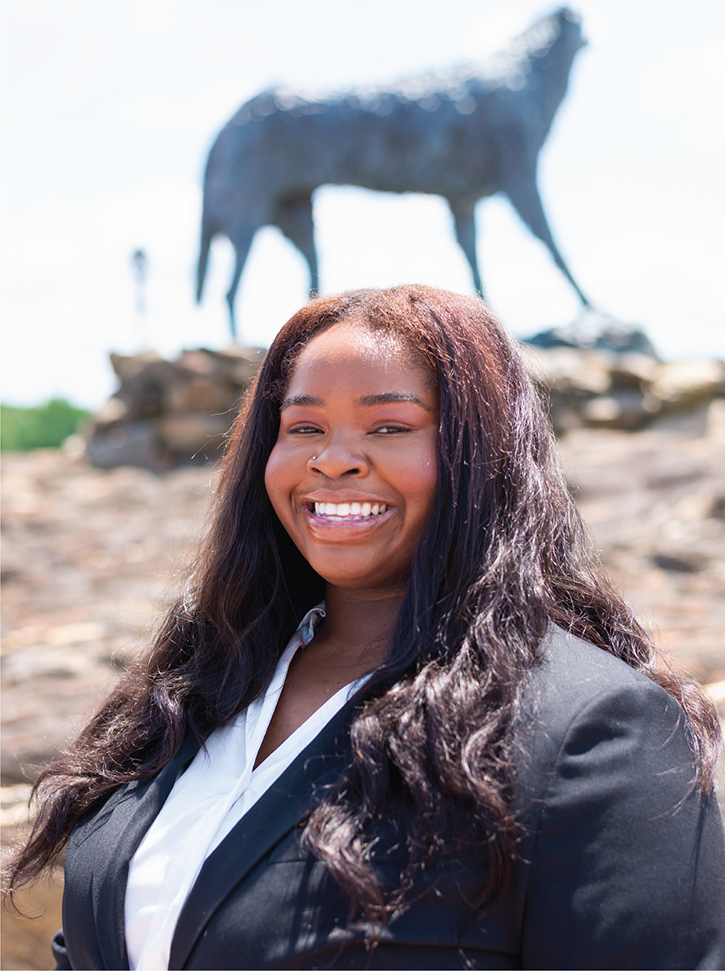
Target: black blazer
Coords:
[[621, 863]]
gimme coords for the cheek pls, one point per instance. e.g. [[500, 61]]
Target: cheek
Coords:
[[277, 478], [419, 480]]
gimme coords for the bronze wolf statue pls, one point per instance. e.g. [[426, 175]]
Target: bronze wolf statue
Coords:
[[462, 134]]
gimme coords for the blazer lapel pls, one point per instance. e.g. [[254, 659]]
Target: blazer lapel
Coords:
[[277, 812], [136, 810]]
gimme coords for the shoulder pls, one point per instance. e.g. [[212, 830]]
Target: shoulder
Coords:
[[578, 671], [613, 826], [577, 683], [583, 709]]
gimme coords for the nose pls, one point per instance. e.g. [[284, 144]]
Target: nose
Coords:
[[336, 460]]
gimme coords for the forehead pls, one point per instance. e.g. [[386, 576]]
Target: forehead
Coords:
[[353, 352]]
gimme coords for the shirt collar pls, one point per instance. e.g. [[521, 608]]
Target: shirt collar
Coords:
[[310, 621]]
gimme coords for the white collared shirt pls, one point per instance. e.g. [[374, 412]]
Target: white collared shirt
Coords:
[[205, 804]]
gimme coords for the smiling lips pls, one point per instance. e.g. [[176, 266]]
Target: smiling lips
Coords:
[[348, 511]]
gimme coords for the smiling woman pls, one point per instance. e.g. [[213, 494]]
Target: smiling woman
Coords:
[[399, 719], [353, 473]]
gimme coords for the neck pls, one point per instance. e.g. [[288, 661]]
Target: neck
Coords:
[[357, 626]]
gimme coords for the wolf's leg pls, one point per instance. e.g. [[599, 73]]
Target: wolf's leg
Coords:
[[526, 201], [241, 241], [294, 218], [465, 225]]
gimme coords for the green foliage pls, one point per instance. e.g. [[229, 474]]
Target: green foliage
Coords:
[[45, 426]]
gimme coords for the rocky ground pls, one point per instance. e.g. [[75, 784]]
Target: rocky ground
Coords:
[[90, 556]]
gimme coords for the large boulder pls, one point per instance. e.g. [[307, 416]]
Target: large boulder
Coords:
[[608, 389], [170, 413], [684, 384]]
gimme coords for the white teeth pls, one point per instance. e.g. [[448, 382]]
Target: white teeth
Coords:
[[347, 509]]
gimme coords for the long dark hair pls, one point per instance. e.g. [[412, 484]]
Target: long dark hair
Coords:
[[503, 556]]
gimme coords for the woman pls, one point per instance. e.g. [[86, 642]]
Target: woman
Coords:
[[465, 757]]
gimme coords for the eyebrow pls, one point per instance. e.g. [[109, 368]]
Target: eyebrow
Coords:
[[303, 400], [367, 401], [388, 396]]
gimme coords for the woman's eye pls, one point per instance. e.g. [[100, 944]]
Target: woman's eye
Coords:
[[390, 429], [302, 430]]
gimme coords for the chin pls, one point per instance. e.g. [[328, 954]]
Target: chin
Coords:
[[370, 582]]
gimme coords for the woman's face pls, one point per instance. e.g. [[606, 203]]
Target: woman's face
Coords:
[[354, 470]]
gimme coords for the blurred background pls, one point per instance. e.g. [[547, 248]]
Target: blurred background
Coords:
[[108, 114], [109, 110]]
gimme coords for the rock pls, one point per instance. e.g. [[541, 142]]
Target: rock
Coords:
[[41, 659], [682, 384], [14, 805], [679, 562], [133, 443], [114, 412], [633, 371], [694, 422], [26, 942], [202, 394], [186, 433], [569, 369], [201, 362], [128, 368], [620, 409], [597, 332], [242, 363], [144, 383], [606, 389], [716, 508], [170, 413], [716, 419]]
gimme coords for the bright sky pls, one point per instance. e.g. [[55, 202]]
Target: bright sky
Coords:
[[109, 110]]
